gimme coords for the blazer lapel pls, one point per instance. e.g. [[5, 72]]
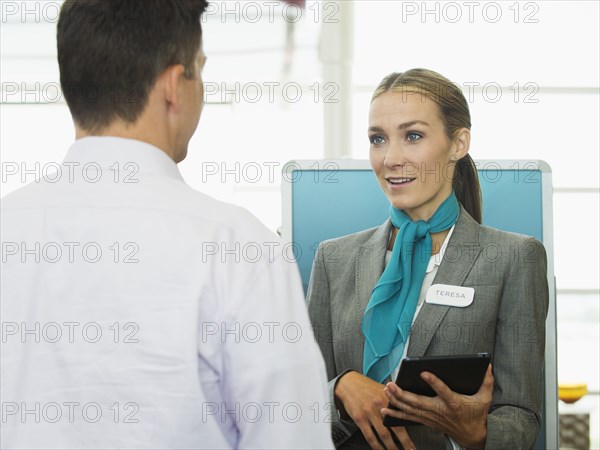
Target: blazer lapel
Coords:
[[371, 262], [369, 267], [461, 253]]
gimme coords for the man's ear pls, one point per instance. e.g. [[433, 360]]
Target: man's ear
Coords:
[[170, 80], [462, 143]]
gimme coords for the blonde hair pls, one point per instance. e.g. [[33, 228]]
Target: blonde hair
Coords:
[[454, 112]]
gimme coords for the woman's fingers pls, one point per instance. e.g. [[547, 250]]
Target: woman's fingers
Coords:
[[403, 399], [487, 386], [370, 437], [440, 388], [418, 408], [403, 438], [385, 435]]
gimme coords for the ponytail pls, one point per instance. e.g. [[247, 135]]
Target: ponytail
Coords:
[[466, 187]]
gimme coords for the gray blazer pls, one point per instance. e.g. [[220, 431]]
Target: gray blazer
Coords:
[[506, 319]]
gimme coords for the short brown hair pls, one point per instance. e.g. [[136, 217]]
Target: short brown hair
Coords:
[[110, 53]]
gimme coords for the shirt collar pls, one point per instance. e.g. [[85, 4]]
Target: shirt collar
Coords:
[[105, 151], [436, 259]]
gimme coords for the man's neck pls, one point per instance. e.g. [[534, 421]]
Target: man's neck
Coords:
[[135, 132]]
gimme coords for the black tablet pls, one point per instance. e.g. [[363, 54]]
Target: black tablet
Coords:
[[461, 373]]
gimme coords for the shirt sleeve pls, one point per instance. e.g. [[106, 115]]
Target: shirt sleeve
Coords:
[[274, 374]]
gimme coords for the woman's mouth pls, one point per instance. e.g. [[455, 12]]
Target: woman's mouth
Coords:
[[399, 181]]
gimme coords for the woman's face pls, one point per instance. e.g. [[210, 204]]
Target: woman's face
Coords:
[[410, 152]]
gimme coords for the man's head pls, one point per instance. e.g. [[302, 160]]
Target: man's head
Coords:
[[128, 63]]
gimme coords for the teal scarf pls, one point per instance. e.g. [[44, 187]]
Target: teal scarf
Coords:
[[388, 317]]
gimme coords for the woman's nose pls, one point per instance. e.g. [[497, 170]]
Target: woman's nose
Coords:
[[395, 155]]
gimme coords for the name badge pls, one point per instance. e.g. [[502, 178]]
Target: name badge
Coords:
[[447, 295]]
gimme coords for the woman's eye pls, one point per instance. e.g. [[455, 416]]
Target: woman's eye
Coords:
[[412, 136], [376, 140]]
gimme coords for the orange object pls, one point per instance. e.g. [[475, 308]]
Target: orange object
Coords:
[[570, 393]]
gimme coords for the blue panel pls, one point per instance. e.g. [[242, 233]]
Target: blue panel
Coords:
[[348, 202], [512, 200]]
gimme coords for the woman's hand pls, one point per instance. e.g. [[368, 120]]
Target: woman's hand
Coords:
[[462, 417], [362, 399]]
